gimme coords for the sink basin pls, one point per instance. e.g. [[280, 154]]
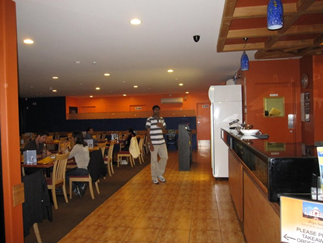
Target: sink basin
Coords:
[[249, 132]]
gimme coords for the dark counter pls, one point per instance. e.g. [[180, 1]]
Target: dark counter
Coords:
[[280, 167]]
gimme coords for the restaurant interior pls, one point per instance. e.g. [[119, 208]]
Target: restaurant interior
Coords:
[[112, 84]]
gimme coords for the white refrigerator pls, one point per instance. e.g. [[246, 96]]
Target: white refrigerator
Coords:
[[226, 106]]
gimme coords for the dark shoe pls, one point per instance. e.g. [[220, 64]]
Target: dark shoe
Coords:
[[77, 191], [82, 190], [59, 190]]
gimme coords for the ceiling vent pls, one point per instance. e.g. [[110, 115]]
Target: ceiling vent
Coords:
[[178, 100]]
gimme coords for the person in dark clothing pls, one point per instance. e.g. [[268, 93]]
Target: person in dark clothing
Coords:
[[38, 143], [127, 139]]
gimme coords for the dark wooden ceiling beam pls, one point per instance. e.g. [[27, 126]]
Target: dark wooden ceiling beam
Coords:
[[264, 32], [317, 43], [228, 11]]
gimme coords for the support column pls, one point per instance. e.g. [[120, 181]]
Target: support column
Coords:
[[9, 122]]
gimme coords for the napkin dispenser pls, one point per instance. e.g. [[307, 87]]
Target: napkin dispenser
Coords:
[[30, 157]]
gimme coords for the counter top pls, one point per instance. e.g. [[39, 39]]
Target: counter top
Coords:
[[280, 167], [268, 148]]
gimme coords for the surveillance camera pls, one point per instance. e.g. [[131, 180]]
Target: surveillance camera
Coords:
[[196, 38]]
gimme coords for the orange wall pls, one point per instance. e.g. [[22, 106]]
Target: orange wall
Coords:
[[124, 104], [318, 97], [270, 73], [306, 66], [10, 157]]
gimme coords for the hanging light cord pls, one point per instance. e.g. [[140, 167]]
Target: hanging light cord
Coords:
[[245, 43]]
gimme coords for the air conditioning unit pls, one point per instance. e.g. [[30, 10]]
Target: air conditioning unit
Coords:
[[178, 100]]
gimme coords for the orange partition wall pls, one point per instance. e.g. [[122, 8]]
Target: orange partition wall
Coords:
[[306, 66], [11, 176], [318, 100], [263, 79], [125, 104]]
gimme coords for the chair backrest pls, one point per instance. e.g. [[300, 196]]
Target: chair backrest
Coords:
[[59, 169], [141, 143], [102, 147], [110, 152]]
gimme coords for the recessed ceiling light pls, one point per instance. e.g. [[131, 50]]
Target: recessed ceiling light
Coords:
[[180, 84], [91, 96], [135, 86], [28, 41], [124, 94], [54, 90], [107, 74], [55, 77], [135, 21], [187, 92], [97, 88], [170, 70], [78, 62]]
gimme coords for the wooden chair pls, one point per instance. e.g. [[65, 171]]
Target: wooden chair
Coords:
[[86, 178], [141, 148], [108, 160], [58, 177], [127, 155]]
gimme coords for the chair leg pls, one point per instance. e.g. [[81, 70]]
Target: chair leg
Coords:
[[111, 164], [54, 198], [37, 234], [118, 157], [97, 186], [91, 189], [70, 189], [65, 193], [109, 170]]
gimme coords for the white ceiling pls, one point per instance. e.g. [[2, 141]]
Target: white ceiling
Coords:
[[65, 31]]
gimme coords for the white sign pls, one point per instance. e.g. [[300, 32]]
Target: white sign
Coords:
[[301, 220]]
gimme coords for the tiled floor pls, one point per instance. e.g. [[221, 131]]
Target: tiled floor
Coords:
[[191, 207]]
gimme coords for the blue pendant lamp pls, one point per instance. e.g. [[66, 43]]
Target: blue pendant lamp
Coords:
[[275, 15], [244, 62]]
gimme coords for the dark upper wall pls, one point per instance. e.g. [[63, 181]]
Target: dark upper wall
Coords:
[[50, 114]]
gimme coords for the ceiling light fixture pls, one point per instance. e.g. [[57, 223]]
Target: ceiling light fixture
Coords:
[[135, 21], [55, 77], [135, 86], [180, 84], [54, 90], [170, 70], [97, 88], [91, 96], [107, 74], [187, 92], [28, 41], [78, 62], [244, 62], [124, 95], [275, 15]]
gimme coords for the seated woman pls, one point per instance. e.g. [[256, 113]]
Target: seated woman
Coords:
[[80, 152]]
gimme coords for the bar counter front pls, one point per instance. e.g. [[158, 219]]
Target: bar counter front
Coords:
[[260, 171]]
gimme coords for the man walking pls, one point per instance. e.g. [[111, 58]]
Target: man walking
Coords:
[[156, 126]]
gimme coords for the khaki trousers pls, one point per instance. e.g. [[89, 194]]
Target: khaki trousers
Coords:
[[158, 167]]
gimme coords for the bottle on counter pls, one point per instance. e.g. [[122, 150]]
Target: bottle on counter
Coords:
[[44, 152]]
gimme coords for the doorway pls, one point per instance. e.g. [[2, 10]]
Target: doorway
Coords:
[[203, 126]]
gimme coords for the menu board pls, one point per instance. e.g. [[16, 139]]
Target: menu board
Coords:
[[301, 220]]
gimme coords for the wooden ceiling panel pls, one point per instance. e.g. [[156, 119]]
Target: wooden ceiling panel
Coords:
[[301, 34]]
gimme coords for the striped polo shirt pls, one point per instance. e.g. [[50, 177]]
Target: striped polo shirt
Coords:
[[156, 133]]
